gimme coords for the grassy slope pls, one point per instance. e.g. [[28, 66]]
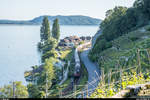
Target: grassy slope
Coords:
[[128, 45]]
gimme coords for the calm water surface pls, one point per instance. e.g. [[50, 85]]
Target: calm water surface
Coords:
[[18, 48]]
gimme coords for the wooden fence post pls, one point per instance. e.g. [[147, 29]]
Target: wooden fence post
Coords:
[[139, 61], [148, 55], [60, 94], [120, 77], [14, 87], [87, 90], [75, 91], [109, 77], [82, 94], [118, 67], [102, 75]]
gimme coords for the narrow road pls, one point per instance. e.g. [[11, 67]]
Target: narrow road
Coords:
[[93, 72], [65, 74]]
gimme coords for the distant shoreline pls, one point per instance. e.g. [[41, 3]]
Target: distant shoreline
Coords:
[[63, 20]]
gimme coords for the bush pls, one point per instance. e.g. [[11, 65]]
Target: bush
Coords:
[[133, 38], [131, 78], [49, 54], [39, 46], [148, 28]]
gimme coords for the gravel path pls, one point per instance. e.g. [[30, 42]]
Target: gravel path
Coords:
[[93, 72]]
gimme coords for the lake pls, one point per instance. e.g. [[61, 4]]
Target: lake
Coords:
[[18, 48]]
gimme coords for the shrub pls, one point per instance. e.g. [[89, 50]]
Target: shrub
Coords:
[[133, 38], [148, 28]]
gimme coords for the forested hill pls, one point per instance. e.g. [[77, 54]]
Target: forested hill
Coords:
[[121, 21], [64, 20]]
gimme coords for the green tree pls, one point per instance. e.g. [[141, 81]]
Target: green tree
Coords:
[[48, 54], [20, 91], [47, 75], [49, 70], [111, 25], [49, 45], [143, 9], [56, 29], [45, 30], [138, 3], [34, 91]]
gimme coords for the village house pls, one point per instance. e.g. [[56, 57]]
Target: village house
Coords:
[[73, 40]]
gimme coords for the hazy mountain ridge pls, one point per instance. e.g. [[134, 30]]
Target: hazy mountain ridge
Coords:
[[63, 20]]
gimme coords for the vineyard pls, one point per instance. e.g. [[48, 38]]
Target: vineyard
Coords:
[[126, 63]]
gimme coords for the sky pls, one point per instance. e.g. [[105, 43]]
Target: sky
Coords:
[[29, 9]]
